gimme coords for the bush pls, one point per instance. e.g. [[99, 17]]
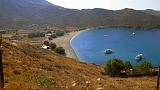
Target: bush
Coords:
[[46, 43], [34, 35], [114, 66], [59, 33], [60, 51], [145, 65], [53, 46], [53, 36]]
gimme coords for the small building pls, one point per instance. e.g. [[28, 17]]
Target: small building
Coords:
[[45, 47], [49, 34]]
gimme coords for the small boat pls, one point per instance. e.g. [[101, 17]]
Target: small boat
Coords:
[[133, 33], [139, 57], [108, 51]]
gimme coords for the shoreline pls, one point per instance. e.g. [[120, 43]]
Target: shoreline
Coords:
[[75, 54], [65, 42], [74, 36]]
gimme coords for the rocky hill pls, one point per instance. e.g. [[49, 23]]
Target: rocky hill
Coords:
[[16, 13], [28, 67]]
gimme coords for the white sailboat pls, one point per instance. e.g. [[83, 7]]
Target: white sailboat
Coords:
[[133, 33], [139, 57], [108, 51]]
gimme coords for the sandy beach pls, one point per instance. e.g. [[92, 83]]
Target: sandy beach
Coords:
[[64, 42]]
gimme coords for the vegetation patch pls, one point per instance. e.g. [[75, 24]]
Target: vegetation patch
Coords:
[[60, 50], [46, 43], [36, 35], [114, 66], [35, 80], [59, 33], [119, 67], [53, 47]]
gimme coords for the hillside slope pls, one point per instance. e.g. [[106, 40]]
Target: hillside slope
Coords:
[[29, 67], [152, 12], [27, 11]]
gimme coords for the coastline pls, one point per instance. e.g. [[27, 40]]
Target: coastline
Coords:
[[75, 35], [65, 42]]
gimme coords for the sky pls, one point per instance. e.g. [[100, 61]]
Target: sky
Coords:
[[108, 4]]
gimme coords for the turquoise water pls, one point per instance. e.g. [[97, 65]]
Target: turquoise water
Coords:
[[90, 45]]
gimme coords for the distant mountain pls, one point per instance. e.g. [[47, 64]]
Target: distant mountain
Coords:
[[153, 12], [24, 12], [27, 11]]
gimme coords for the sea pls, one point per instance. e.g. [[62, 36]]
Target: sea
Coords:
[[125, 43]]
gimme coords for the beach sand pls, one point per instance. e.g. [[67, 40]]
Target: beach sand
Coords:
[[64, 41]]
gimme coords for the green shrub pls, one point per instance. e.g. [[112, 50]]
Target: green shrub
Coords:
[[60, 51], [59, 33], [145, 65], [34, 35], [53, 46], [114, 66], [53, 36], [46, 43]]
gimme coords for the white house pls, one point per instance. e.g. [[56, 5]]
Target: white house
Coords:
[[45, 47]]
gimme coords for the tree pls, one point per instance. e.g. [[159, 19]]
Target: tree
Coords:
[[53, 46], [60, 51], [114, 66], [46, 43]]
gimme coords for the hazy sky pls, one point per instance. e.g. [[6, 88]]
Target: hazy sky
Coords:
[[108, 4]]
